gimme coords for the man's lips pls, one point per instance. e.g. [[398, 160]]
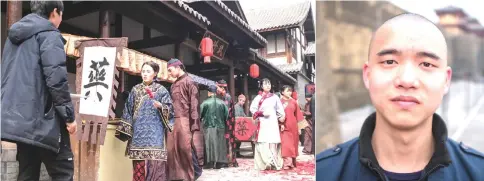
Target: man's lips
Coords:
[[405, 99], [405, 102]]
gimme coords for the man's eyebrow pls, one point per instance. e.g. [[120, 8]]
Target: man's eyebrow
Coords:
[[429, 54], [388, 52]]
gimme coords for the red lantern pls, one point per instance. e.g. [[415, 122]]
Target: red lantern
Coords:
[[207, 49], [254, 71]]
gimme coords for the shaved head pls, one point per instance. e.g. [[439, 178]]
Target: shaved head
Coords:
[[407, 73], [415, 29]]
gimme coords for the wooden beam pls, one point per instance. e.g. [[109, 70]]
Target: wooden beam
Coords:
[[197, 68], [211, 74], [246, 93], [118, 25], [138, 11], [232, 82], [67, 28], [146, 32], [153, 42], [14, 12], [104, 24], [76, 9], [178, 52]]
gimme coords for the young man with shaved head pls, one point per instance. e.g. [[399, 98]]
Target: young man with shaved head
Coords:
[[407, 75]]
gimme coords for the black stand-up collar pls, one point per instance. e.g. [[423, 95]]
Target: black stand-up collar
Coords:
[[439, 158]]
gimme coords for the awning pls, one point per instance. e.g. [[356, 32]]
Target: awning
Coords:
[[130, 60]]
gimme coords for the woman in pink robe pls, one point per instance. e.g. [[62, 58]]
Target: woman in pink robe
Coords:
[[289, 129]]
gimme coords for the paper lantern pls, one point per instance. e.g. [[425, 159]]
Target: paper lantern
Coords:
[[254, 71], [207, 49]]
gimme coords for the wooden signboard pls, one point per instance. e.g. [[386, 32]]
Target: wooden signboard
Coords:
[[97, 83], [219, 45]]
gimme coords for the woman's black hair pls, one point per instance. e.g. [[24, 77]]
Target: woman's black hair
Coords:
[[44, 8], [154, 66], [288, 87], [261, 83]]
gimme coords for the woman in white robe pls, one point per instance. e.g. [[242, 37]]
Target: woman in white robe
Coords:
[[268, 113]]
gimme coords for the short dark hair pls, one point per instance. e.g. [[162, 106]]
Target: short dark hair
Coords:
[[153, 65], [44, 8], [286, 87]]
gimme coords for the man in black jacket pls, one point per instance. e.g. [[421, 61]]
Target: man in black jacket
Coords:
[[37, 112]]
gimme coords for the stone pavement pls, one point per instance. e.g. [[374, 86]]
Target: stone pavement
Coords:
[[303, 172]]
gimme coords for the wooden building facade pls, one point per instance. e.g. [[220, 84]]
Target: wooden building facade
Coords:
[[158, 31]]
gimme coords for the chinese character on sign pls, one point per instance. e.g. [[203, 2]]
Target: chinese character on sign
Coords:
[[97, 78], [98, 68]]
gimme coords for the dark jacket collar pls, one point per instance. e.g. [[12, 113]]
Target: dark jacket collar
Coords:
[[367, 156]]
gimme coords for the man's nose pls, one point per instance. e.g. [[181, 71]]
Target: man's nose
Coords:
[[407, 76]]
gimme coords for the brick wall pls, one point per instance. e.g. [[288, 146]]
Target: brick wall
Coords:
[[9, 165]]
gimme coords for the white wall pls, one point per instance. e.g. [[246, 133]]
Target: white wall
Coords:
[[301, 83], [278, 60]]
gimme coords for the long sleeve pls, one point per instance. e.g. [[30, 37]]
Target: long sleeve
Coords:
[[124, 131], [254, 106], [299, 114], [280, 109], [53, 60], [307, 109], [194, 115], [226, 112], [163, 96], [202, 111]]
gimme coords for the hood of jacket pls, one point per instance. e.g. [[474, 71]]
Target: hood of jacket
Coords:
[[27, 27]]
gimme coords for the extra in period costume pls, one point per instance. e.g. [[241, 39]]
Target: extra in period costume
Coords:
[[214, 112], [186, 140], [142, 126], [290, 135], [267, 109], [230, 125]]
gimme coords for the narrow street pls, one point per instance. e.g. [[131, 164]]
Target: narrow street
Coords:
[[465, 116], [246, 171]]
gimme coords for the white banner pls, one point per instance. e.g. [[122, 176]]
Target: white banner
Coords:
[[97, 80]]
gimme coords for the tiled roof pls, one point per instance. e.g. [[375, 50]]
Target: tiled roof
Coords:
[[235, 16], [450, 9], [190, 10], [310, 49], [272, 65], [291, 68], [273, 18], [240, 20]]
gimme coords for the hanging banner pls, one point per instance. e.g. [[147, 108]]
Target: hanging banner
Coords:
[[97, 80], [244, 128]]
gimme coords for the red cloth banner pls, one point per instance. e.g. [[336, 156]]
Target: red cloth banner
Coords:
[[244, 128]]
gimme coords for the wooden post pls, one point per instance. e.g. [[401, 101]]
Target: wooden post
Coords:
[[232, 81], [246, 93], [178, 52], [14, 12], [104, 24]]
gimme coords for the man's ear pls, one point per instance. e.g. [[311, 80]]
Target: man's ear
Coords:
[[52, 13], [366, 74]]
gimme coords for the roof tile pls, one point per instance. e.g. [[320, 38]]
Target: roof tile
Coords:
[[277, 17]]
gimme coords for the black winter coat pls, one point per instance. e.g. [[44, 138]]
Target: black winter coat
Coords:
[[36, 102]]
